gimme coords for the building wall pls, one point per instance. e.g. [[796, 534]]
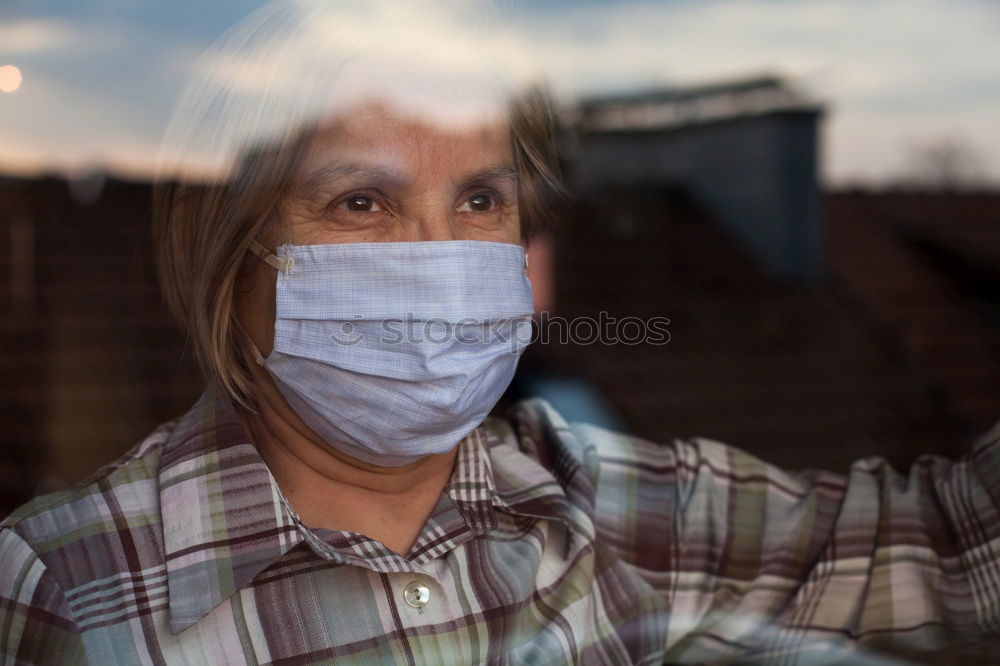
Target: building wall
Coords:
[[90, 360], [756, 175]]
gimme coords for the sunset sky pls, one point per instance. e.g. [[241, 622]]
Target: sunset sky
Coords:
[[98, 78]]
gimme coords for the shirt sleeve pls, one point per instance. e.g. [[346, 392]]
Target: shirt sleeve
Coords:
[[756, 560], [36, 626]]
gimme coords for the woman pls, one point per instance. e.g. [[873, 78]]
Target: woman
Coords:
[[356, 296]]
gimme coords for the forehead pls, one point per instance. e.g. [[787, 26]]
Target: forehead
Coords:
[[376, 132]]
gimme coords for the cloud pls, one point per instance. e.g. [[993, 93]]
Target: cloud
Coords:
[[35, 35], [870, 54], [49, 125], [102, 96], [882, 46], [893, 71]]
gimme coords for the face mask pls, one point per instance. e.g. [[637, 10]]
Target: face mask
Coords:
[[395, 351]]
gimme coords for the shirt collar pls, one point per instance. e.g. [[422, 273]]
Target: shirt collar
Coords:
[[225, 520]]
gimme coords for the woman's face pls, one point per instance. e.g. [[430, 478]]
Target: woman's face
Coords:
[[375, 176]]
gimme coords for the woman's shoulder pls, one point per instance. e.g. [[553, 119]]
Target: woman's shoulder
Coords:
[[609, 459], [544, 431], [621, 469]]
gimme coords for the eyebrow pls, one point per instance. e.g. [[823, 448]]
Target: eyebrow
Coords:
[[501, 172], [335, 170]]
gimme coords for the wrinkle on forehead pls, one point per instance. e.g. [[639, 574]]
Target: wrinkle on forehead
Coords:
[[374, 141]]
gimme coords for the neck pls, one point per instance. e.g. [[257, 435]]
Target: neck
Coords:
[[329, 489]]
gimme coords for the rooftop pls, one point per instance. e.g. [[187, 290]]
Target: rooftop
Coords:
[[669, 107]]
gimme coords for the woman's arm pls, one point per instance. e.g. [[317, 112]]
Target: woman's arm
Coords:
[[753, 559]]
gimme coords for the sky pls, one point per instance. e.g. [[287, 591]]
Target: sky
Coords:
[[100, 78]]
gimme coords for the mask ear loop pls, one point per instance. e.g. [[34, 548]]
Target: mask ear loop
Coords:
[[253, 348], [255, 352], [282, 264], [277, 263]]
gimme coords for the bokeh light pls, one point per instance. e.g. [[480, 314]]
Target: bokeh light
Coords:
[[10, 78]]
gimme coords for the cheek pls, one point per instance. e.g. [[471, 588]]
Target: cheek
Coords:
[[255, 307], [512, 225], [312, 224], [301, 223]]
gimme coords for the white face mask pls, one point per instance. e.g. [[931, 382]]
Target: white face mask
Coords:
[[394, 351]]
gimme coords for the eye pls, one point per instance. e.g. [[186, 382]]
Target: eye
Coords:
[[480, 203], [359, 203]]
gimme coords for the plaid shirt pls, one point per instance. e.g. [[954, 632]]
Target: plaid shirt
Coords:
[[551, 544]]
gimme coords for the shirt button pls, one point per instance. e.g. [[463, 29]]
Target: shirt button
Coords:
[[416, 594]]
